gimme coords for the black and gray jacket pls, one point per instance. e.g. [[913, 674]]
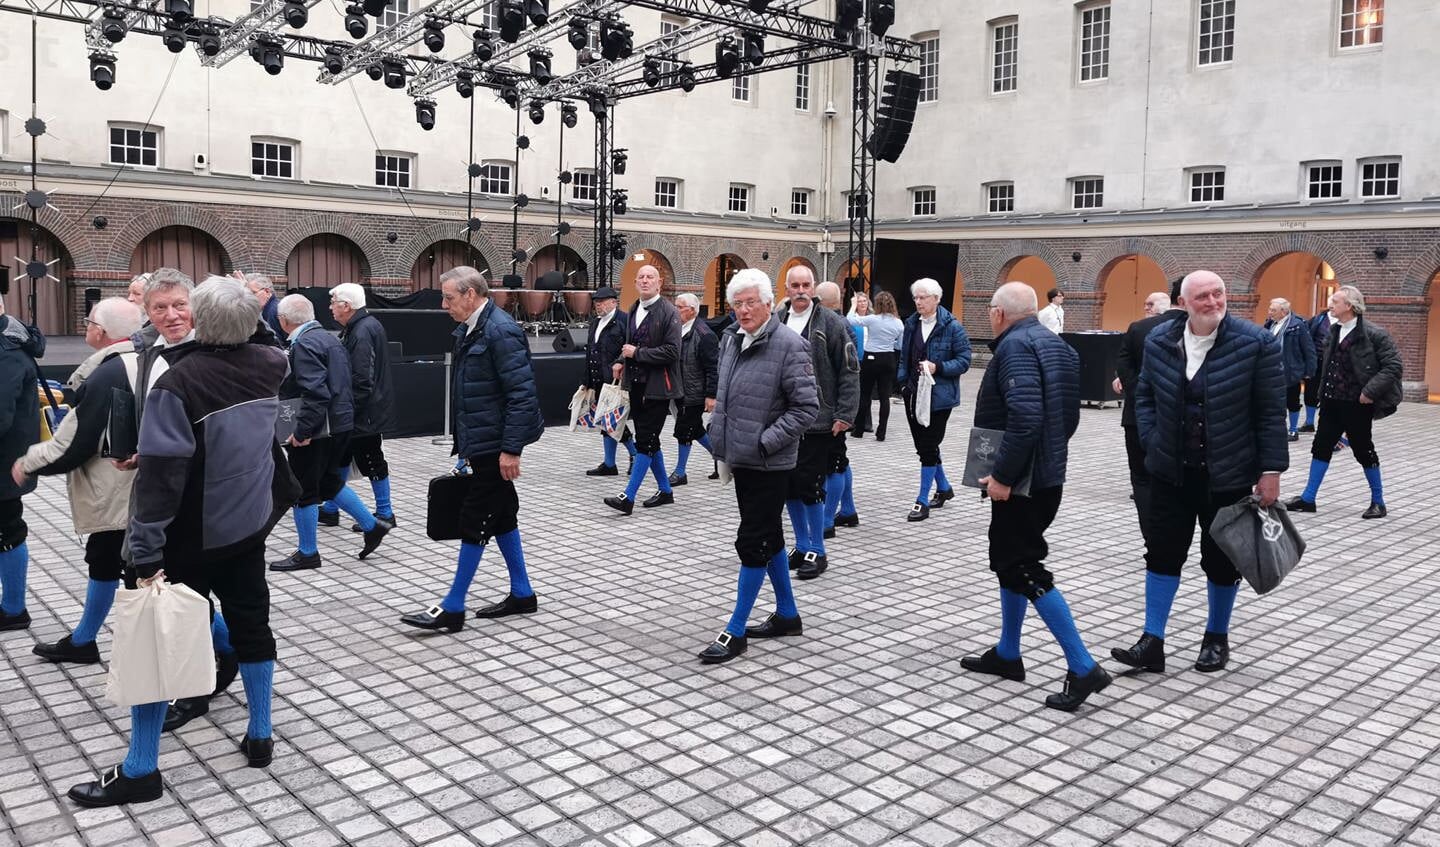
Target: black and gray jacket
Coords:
[[366, 344], [699, 363], [320, 375], [836, 364]]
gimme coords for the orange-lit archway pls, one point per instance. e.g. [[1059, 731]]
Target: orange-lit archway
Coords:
[[1432, 341], [717, 276], [562, 259], [325, 260], [16, 241], [1126, 282], [633, 263], [1031, 270], [191, 251], [1304, 279], [441, 257], [848, 276]]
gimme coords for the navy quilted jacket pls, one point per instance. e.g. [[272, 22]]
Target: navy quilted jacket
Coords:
[[493, 405], [1244, 404], [1031, 390]]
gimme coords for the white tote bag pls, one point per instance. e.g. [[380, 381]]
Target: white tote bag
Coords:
[[582, 402], [162, 649], [922, 397]]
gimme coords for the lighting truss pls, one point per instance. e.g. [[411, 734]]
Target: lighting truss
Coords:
[[394, 39], [235, 39]]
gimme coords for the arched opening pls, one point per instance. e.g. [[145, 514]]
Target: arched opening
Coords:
[[563, 259], [637, 260], [441, 257], [17, 238], [848, 276], [1031, 270], [1127, 281], [717, 276], [325, 260], [1304, 279], [191, 251], [1432, 341]]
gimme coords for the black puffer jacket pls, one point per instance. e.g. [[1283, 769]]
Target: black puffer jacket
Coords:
[[319, 373], [493, 402], [1376, 363], [368, 348], [699, 364], [19, 402], [1031, 391]]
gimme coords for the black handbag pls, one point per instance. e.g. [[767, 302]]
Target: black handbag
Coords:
[[442, 505]]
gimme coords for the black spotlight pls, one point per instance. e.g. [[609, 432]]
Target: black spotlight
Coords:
[[847, 17], [540, 65], [617, 40], [537, 111], [651, 73], [334, 59], [538, 11], [102, 70], [209, 40], [295, 14], [113, 26], [374, 8], [174, 38], [727, 56], [474, 170], [393, 73], [758, 5], [617, 246], [754, 47], [618, 202], [425, 113], [484, 46], [181, 11], [598, 102], [569, 115], [882, 16], [510, 93], [619, 158], [434, 36], [355, 22], [586, 56], [391, 236], [566, 178], [512, 19], [267, 54], [375, 72], [579, 34], [464, 83], [687, 79], [100, 222]]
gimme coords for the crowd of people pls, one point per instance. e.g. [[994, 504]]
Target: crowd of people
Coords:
[[245, 408]]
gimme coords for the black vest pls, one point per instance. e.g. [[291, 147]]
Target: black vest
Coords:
[[1193, 432]]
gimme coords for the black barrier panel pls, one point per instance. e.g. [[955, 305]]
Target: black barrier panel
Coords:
[[1098, 352], [420, 392], [423, 333]]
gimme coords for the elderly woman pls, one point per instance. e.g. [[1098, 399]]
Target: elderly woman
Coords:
[[882, 331], [764, 402], [935, 343]]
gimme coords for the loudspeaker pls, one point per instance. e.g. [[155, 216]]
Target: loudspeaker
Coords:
[[550, 281], [895, 116], [513, 281], [570, 340]]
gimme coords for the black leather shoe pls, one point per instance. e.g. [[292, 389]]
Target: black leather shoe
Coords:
[[1307, 428], [776, 626], [603, 469], [355, 527], [918, 512], [812, 565], [880, 434], [65, 650], [114, 788], [1077, 688], [329, 518], [375, 536], [511, 605], [715, 474], [10, 622], [435, 618], [297, 562], [1376, 510], [181, 712], [828, 533], [857, 433], [227, 667], [1294, 436], [848, 520], [796, 557], [1214, 653], [1296, 504], [621, 503], [659, 498], [679, 479], [258, 750], [938, 501], [1148, 654], [724, 648], [990, 662]]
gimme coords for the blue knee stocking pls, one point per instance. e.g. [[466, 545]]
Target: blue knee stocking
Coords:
[[1294, 421], [514, 554], [800, 523], [1222, 603], [683, 460], [329, 505], [349, 503], [609, 449], [465, 567], [1012, 619], [630, 447], [750, 581], [146, 723], [1159, 597], [704, 441], [381, 488], [942, 482], [99, 596], [815, 520], [220, 634], [927, 477], [657, 468], [637, 475], [834, 490], [259, 681], [847, 500], [1317, 476], [1056, 614], [13, 565], [307, 528], [779, 571], [1310, 415], [1377, 491]]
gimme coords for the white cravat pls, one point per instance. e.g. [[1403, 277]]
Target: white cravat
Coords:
[[927, 325], [644, 309], [1197, 347], [604, 322], [1279, 326], [685, 329], [1345, 327]]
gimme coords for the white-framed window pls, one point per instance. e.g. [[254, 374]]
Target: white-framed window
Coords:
[[667, 192], [1362, 23], [275, 157], [668, 26], [922, 201], [999, 197], [135, 144], [929, 67], [1214, 32], [1094, 47], [1322, 180], [582, 186], [394, 170], [1004, 56], [495, 178], [1087, 192], [399, 10], [740, 89], [1380, 177], [800, 201], [856, 205], [740, 195], [1206, 185], [489, 15], [802, 88]]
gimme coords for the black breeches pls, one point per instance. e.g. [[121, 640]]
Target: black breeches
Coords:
[[648, 417], [1292, 397], [317, 467], [103, 555], [927, 438], [839, 458], [761, 498], [1351, 419], [689, 424], [491, 507], [806, 482], [238, 582], [1312, 390], [13, 530], [1173, 513], [1017, 541], [1139, 477], [367, 453]]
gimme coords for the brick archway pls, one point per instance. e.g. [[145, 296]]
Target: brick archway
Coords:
[[1098, 258], [69, 233], [1009, 252], [673, 251], [708, 252], [137, 229], [326, 223], [1416, 281], [437, 232], [797, 251], [1248, 270], [583, 247]]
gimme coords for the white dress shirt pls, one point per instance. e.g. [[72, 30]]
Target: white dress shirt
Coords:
[[1197, 347]]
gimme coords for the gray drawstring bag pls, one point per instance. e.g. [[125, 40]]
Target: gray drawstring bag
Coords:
[[1263, 543]]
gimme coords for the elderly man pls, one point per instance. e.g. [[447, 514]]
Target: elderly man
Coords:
[[1127, 373], [1052, 317], [1319, 329], [99, 491], [935, 343], [208, 438], [264, 290], [837, 381], [765, 402], [366, 345], [1359, 384], [839, 483], [1297, 354], [1030, 392], [649, 364], [699, 362], [319, 380], [602, 347], [20, 346], [1209, 406], [495, 414], [135, 293]]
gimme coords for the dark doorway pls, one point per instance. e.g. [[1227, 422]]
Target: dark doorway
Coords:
[[900, 263]]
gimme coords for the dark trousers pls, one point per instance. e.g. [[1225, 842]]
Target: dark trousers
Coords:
[[1312, 390], [491, 507], [806, 482], [648, 416], [761, 498], [367, 453], [689, 423], [1292, 397], [237, 580], [1017, 541], [317, 468], [927, 438], [13, 530], [877, 380], [1351, 419], [839, 458], [103, 555], [1174, 511], [1139, 477]]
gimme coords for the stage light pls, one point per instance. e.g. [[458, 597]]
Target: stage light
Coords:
[[585, 57], [618, 203], [180, 10], [619, 158], [425, 113], [174, 38], [538, 12], [102, 69], [209, 40], [510, 93], [847, 17], [651, 74], [334, 60], [537, 112], [295, 14], [579, 33], [393, 72], [522, 142], [375, 8], [566, 178], [598, 102], [754, 47], [616, 39], [687, 79], [484, 45], [727, 56], [569, 115], [113, 26], [355, 22], [882, 16], [267, 53], [512, 19], [464, 84], [758, 5], [375, 72], [434, 36], [617, 246], [540, 65]]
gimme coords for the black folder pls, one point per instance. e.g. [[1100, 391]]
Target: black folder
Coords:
[[122, 433], [980, 461], [442, 514]]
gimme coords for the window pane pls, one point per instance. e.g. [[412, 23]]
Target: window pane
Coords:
[[1005, 71], [286, 151], [929, 70], [147, 157]]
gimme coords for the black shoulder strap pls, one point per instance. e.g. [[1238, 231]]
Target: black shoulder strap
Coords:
[[44, 384]]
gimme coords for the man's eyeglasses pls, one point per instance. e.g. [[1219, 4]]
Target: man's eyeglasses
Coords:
[[746, 304]]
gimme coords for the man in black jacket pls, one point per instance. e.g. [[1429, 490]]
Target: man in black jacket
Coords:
[[649, 364], [602, 347], [366, 344], [1127, 373], [323, 412], [1297, 354], [1359, 383], [699, 374], [20, 345], [1319, 329]]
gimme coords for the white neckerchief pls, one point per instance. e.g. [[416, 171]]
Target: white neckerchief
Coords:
[[474, 319], [1277, 327], [1197, 347], [644, 308], [686, 327], [799, 320], [604, 322], [1346, 326], [927, 325]]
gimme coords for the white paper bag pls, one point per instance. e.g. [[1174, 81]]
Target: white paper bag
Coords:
[[922, 397], [162, 649]]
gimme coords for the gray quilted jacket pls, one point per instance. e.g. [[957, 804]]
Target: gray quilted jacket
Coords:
[[765, 401]]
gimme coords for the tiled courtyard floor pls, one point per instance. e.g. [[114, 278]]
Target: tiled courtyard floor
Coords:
[[593, 723]]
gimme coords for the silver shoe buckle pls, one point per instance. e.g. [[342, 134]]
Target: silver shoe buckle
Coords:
[[811, 556], [435, 611], [107, 777], [723, 639]]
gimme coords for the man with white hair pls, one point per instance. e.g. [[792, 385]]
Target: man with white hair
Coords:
[[1210, 410], [699, 360], [1297, 354], [765, 401], [264, 290], [1128, 361], [135, 293], [934, 343], [99, 491], [366, 344]]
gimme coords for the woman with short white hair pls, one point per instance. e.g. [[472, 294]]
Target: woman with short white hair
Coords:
[[934, 343]]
